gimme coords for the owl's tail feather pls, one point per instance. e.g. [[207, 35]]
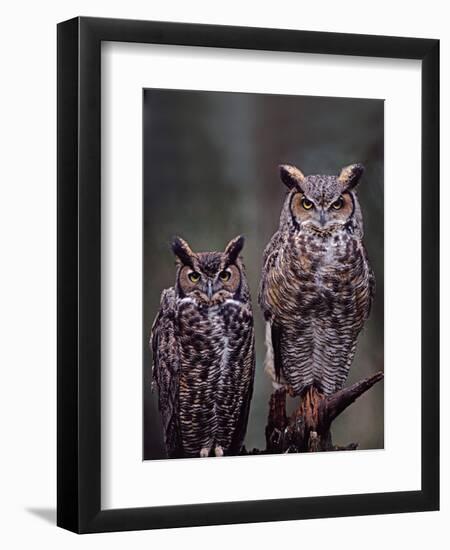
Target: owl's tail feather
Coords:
[[276, 344]]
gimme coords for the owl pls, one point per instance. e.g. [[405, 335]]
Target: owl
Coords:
[[203, 353], [317, 285]]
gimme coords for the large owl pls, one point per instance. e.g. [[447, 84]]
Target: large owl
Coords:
[[203, 353], [317, 285]]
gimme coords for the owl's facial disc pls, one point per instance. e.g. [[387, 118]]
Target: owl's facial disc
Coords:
[[212, 288], [209, 277], [321, 215]]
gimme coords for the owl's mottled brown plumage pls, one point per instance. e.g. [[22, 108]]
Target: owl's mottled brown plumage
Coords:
[[317, 285], [203, 353]]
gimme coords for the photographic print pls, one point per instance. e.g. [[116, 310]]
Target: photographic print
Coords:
[[263, 274]]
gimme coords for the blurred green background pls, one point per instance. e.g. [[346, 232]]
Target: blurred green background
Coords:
[[211, 173]]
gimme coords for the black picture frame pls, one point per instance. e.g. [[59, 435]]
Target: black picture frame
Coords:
[[79, 280]]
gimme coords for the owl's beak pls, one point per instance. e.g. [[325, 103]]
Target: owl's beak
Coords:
[[322, 218], [210, 290]]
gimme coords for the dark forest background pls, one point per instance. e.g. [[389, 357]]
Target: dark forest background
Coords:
[[210, 173]]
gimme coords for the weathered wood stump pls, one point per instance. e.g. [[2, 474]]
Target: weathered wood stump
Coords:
[[308, 428]]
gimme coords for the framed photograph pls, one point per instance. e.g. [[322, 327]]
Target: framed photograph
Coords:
[[248, 256]]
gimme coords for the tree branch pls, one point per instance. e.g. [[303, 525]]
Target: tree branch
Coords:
[[339, 401], [308, 428]]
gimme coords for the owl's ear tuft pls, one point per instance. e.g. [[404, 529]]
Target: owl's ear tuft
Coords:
[[291, 176], [182, 250], [233, 248], [350, 175]]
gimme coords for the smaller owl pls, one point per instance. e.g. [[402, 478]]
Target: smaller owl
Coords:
[[203, 353]]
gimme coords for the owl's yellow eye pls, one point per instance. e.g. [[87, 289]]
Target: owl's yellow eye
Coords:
[[306, 203], [337, 205], [194, 277], [224, 275]]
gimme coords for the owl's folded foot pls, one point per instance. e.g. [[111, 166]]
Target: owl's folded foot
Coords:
[[290, 390], [204, 452]]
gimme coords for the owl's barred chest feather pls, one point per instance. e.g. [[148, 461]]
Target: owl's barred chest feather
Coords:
[[214, 377], [310, 270]]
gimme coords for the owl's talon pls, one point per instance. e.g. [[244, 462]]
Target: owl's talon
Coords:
[[218, 451]]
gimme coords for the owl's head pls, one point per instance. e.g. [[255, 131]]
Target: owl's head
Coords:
[[209, 277], [322, 203]]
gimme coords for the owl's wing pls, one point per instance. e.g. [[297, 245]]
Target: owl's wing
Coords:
[[269, 258], [249, 373], [372, 283], [264, 300], [276, 345], [165, 370]]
